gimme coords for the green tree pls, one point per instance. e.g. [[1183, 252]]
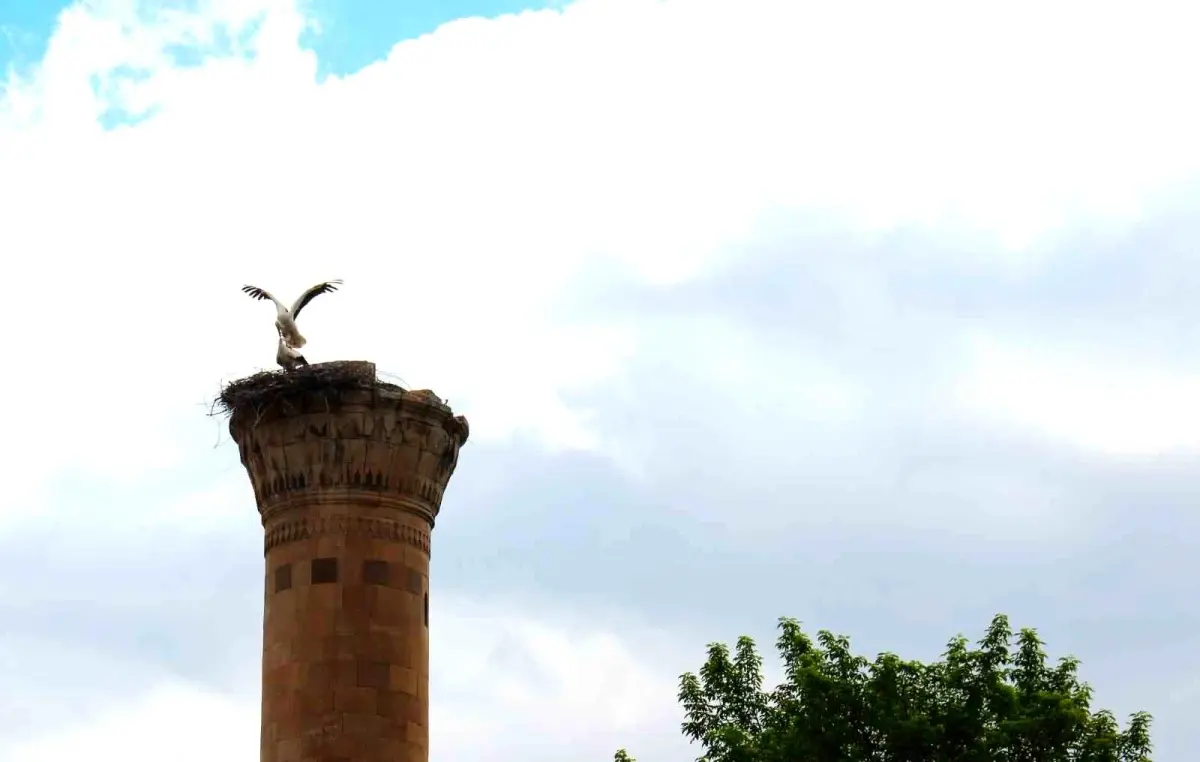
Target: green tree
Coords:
[[992, 703], [623, 756]]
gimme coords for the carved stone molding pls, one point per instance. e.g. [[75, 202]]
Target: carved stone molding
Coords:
[[385, 446], [414, 494], [296, 530]]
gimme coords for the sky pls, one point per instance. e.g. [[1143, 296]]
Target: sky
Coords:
[[882, 316]]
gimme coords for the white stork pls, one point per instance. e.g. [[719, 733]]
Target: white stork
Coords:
[[289, 359], [285, 319]]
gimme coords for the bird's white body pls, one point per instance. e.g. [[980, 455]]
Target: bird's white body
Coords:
[[286, 325], [287, 357], [285, 318]]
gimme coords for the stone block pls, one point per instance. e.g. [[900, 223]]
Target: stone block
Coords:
[[357, 478]]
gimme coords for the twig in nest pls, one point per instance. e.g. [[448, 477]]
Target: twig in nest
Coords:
[[286, 390]]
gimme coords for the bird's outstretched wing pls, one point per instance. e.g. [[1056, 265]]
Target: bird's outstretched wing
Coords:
[[312, 293], [257, 293]]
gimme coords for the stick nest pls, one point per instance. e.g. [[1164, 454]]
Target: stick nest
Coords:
[[289, 391]]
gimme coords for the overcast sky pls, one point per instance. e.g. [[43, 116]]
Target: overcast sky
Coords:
[[882, 317]]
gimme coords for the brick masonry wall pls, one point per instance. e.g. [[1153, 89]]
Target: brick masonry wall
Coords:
[[348, 498], [346, 650]]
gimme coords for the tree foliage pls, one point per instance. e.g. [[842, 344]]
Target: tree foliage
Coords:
[[998, 702]]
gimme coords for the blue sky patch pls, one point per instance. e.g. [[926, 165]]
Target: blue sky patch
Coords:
[[25, 27], [354, 33]]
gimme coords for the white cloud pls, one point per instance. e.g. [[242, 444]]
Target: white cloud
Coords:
[[499, 680], [471, 186], [463, 186], [1096, 403], [184, 721], [64, 701]]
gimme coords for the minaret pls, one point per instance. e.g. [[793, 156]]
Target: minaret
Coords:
[[348, 474]]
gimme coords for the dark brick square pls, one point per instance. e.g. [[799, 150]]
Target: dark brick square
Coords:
[[414, 582], [324, 571], [375, 572], [373, 674], [283, 578]]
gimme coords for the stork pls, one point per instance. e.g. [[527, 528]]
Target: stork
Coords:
[[285, 319], [288, 358]]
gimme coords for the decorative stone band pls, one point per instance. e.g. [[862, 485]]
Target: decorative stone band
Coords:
[[296, 530], [415, 494], [384, 446]]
